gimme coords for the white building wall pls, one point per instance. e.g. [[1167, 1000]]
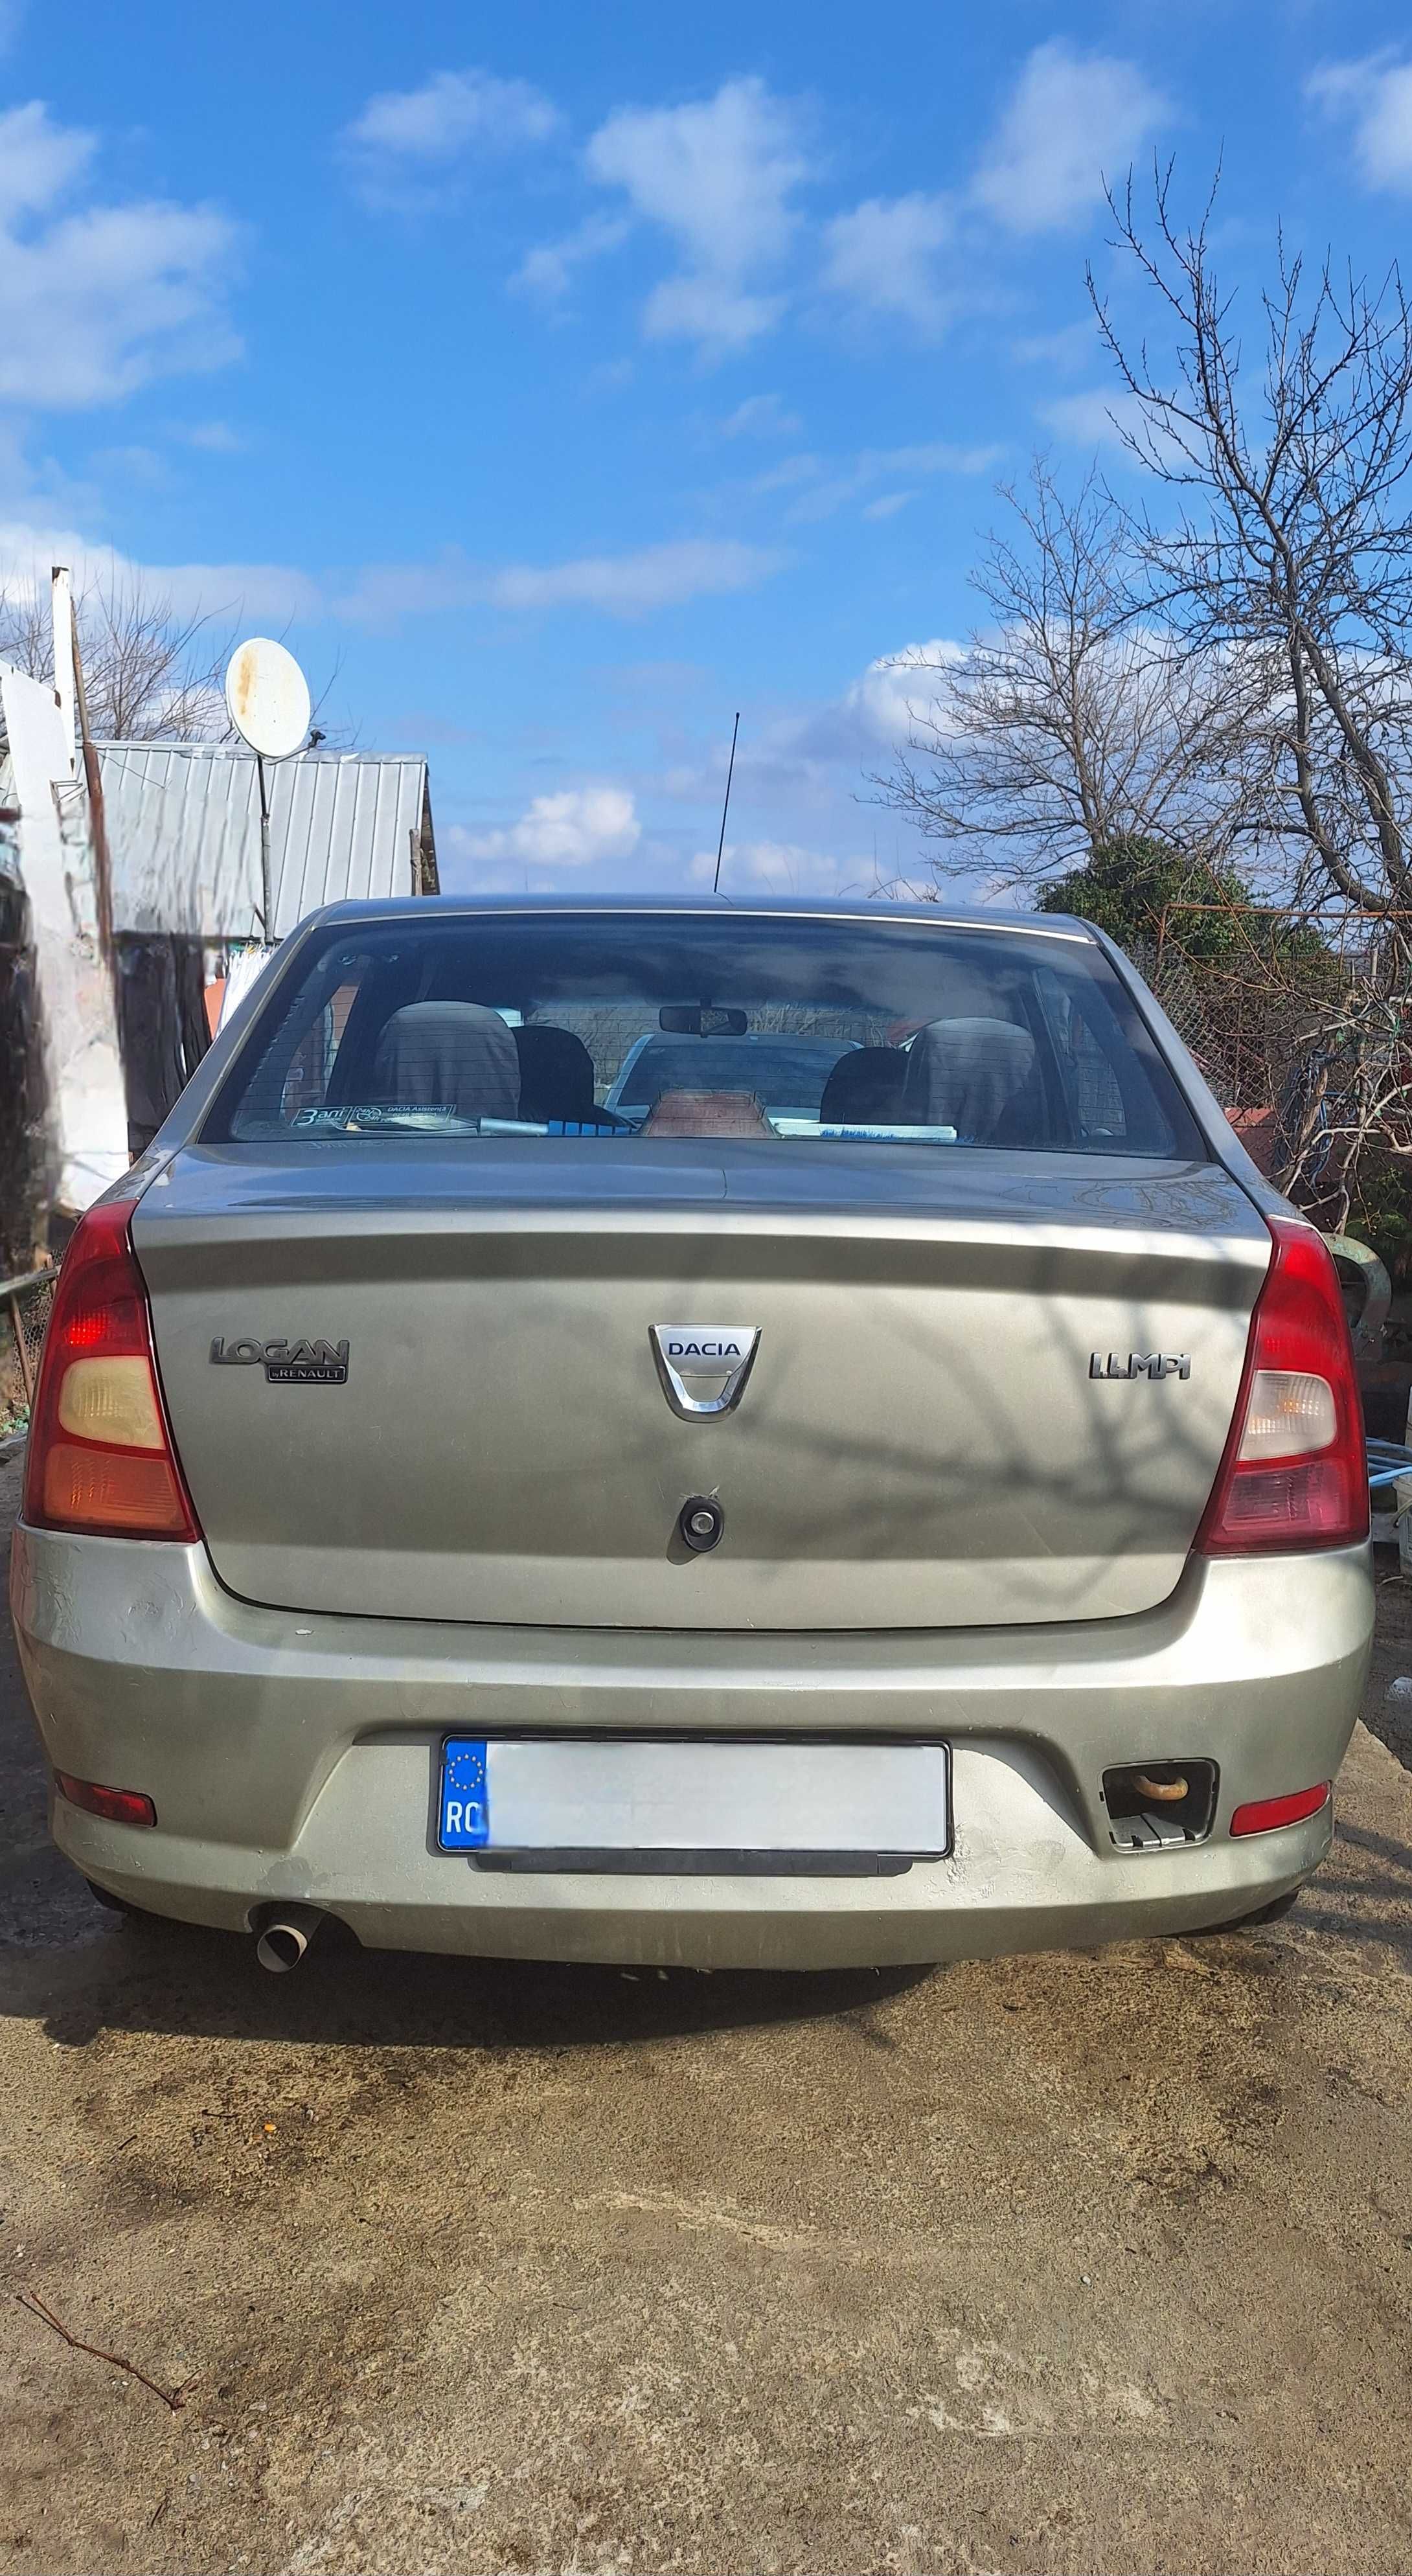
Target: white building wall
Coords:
[[83, 1070]]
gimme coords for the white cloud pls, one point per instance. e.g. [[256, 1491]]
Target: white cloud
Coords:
[[274, 593], [609, 376], [576, 828], [889, 505], [549, 271], [452, 113], [624, 585], [792, 765], [1071, 120], [722, 178], [1096, 419], [790, 472], [761, 416], [877, 710], [1376, 93], [134, 464], [711, 310], [717, 176], [631, 584], [95, 302], [38, 159], [277, 593], [884, 256], [1065, 351], [873, 465], [380, 595], [799, 824], [781, 867], [777, 867], [213, 437]]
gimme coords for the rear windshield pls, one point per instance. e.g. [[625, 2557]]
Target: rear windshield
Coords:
[[868, 1032]]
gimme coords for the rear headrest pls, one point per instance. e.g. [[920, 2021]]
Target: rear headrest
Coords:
[[964, 1073], [865, 1084], [449, 1055], [556, 1074]]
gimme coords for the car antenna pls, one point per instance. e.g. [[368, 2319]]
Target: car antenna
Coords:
[[726, 807]]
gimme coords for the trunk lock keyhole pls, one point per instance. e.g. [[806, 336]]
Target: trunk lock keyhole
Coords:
[[701, 1523]]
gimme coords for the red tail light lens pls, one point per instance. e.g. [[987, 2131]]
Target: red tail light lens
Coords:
[[1266, 1815], [116, 1806], [1295, 1474], [100, 1453]]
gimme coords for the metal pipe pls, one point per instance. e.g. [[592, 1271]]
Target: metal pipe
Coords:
[[284, 1936], [266, 925]]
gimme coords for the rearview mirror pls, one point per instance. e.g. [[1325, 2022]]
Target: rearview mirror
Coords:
[[700, 1020]]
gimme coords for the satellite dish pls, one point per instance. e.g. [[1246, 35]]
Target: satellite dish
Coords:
[[267, 698]]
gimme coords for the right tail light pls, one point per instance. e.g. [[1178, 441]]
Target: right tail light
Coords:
[[1295, 1473]]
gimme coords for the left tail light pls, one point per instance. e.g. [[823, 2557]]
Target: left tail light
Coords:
[[1295, 1473], [100, 1452]]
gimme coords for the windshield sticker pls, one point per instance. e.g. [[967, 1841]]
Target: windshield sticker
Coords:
[[380, 1113]]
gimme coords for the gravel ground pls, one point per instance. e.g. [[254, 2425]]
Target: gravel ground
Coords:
[[1097, 2263]]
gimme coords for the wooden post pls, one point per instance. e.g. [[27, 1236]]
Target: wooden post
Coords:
[[98, 823], [61, 608]]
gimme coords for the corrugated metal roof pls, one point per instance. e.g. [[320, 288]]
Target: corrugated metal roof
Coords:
[[184, 834]]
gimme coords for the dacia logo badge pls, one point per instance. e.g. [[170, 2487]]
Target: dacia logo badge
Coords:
[[287, 1363], [703, 1367]]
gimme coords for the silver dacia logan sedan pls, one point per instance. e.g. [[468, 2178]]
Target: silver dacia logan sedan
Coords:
[[890, 1490]]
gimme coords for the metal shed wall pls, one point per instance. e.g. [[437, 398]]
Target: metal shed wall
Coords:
[[184, 835]]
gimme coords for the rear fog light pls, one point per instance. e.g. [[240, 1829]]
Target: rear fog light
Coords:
[[119, 1806], [1266, 1815]]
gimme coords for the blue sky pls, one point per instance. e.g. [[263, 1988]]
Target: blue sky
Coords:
[[558, 380]]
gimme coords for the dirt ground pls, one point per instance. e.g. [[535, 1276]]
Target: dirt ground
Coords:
[[1090, 2264]]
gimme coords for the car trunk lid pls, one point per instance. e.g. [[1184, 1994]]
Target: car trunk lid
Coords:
[[988, 1388]]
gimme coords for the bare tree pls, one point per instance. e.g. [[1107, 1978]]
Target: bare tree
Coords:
[[1290, 549], [1073, 722], [152, 675]]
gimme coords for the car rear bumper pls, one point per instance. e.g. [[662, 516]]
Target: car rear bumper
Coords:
[[294, 1756]]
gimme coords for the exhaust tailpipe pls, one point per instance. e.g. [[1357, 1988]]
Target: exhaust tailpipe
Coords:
[[284, 1936]]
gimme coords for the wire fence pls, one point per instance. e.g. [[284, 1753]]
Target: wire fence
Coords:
[[25, 1304], [1301, 1020]]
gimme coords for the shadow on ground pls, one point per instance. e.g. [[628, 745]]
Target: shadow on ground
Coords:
[[81, 1970]]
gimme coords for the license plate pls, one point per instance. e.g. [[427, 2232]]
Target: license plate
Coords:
[[627, 1794]]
